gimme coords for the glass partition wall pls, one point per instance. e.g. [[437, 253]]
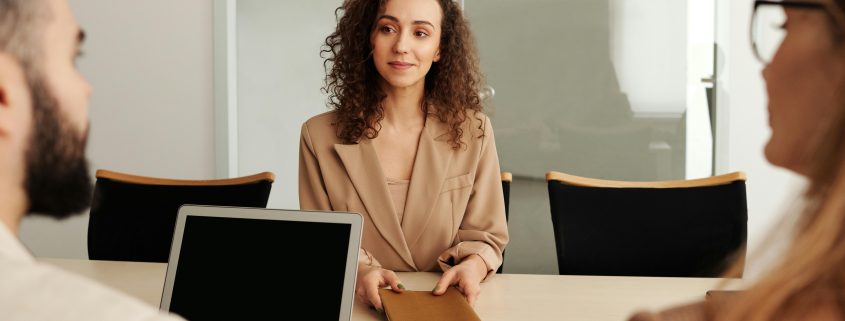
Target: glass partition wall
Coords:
[[605, 89]]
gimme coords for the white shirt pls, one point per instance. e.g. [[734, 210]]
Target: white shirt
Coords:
[[30, 290]]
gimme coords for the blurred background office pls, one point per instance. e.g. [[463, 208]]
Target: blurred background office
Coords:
[[615, 89]]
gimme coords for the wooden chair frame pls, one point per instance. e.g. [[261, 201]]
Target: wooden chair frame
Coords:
[[593, 182], [135, 179]]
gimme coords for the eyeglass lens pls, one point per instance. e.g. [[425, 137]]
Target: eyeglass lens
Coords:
[[768, 31]]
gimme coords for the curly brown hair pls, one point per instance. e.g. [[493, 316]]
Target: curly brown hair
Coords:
[[451, 85]]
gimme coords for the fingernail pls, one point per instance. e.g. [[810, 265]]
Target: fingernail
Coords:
[[401, 286], [435, 289]]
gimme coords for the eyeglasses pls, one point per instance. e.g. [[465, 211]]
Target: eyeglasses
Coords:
[[768, 25]]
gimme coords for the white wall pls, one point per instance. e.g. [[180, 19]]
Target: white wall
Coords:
[[150, 63], [743, 130], [280, 74]]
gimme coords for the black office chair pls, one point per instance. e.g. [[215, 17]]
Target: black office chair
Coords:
[[692, 228], [507, 178], [133, 217]]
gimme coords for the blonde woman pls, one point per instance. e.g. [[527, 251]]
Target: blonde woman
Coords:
[[805, 81]]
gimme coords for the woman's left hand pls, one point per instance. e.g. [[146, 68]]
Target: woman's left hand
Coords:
[[467, 276]]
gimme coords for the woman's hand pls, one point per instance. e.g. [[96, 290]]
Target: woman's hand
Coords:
[[467, 275], [370, 280]]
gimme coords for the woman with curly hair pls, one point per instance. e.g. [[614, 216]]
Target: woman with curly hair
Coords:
[[407, 146]]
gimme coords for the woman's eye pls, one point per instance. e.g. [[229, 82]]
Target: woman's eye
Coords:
[[387, 29], [421, 34]]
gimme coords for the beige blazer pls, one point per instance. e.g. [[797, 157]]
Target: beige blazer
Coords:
[[454, 208]]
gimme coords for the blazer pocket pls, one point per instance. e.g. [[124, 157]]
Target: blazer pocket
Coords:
[[456, 182]]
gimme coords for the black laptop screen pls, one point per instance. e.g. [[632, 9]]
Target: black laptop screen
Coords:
[[251, 269]]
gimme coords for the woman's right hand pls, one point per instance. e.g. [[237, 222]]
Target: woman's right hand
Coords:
[[370, 280]]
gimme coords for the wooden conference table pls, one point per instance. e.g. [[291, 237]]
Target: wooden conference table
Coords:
[[504, 297]]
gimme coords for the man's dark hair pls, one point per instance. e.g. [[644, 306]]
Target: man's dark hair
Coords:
[[21, 27]]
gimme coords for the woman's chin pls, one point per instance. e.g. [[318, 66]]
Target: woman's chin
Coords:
[[783, 158], [773, 153]]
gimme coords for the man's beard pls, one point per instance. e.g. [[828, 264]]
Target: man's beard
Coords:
[[57, 180]]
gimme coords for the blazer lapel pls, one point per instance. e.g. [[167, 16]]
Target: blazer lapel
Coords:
[[431, 165], [363, 168]]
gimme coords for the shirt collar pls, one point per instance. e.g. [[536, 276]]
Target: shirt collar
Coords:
[[11, 247]]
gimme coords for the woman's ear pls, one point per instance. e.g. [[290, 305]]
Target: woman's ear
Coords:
[[437, 55]]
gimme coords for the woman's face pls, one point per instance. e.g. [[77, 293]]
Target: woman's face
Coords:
[[803, 81], [406, 41]]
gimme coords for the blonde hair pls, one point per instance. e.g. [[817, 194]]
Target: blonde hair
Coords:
[[811, 278]]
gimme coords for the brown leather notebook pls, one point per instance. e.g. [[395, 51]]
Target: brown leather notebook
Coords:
[[424, 306]]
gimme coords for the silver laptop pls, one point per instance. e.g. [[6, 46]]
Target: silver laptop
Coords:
[[230, 263]]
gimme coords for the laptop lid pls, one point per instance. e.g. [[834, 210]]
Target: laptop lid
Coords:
[[250, 263]]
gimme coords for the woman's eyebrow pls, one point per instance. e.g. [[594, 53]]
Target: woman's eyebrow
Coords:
[[416, 22]]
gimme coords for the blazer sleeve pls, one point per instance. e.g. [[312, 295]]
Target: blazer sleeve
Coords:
[[483, 230], [312, 187]]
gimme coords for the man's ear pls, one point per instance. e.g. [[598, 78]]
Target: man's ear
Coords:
[[13, 88], [14, 94]]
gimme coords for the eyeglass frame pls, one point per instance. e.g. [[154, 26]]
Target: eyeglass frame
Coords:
[[785, 4]]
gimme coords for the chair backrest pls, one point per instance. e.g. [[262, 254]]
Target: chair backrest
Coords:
[[133, 217], [687, 228], [507, 178]]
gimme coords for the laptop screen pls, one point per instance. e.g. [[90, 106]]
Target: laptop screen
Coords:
[[256, 269]]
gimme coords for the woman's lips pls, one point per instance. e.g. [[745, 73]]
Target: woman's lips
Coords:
[[400, 65]]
